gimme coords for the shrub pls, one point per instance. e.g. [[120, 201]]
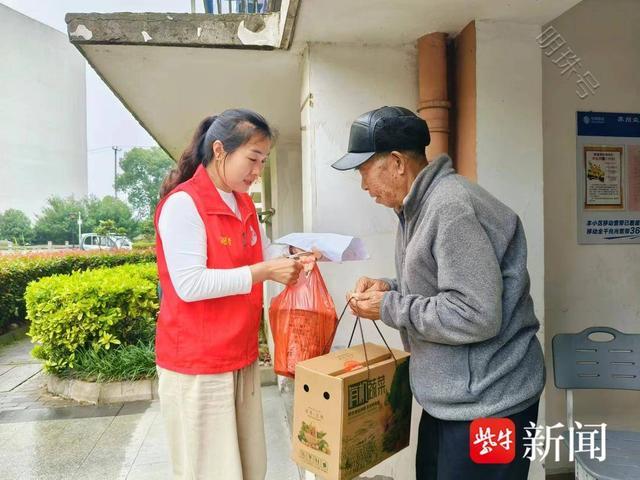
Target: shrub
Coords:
[[96, 309], [143, 245], [16, 271]]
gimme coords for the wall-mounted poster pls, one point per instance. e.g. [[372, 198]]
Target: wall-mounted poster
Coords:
[[603, 171], [608, 173]]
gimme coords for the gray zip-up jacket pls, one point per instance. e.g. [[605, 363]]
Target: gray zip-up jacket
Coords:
[[461, 300]]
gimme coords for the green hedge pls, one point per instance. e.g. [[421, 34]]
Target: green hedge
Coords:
[[95, 309], [16, 271], [143, 245]]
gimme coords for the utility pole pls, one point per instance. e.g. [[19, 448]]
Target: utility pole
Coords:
[[79, 230], [115, 169]]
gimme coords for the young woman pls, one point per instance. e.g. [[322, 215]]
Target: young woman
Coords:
[[210, 251]]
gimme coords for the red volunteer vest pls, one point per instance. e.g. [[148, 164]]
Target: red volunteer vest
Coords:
[[217, 335]]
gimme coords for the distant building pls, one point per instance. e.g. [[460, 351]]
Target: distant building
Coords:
[[43, 139]]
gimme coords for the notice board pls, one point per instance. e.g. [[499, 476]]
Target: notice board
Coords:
[[608, 177]]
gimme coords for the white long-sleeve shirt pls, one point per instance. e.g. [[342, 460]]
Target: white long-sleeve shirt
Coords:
[[184, 242]]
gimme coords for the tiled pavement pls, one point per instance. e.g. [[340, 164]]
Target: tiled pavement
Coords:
[[22, 381], [44, 437]]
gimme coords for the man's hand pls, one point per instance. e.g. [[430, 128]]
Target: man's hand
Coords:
[[367, 305], [366, 284]]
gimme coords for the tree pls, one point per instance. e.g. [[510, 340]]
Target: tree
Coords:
[[58, 221], [113, 209], [107, 228], [143, 170], [147, 229], [16, 227]]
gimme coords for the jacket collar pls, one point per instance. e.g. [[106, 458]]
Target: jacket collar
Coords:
[[212, 202], [424, 184]]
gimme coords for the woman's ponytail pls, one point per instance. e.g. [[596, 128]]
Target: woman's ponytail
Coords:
[[190, 158]]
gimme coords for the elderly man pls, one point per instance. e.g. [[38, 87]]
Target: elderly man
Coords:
[[460, 300]]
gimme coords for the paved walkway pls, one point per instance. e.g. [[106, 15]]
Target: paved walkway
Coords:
[[22, 381], [43, 437]]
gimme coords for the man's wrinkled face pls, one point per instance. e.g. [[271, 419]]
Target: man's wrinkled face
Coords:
[[381, 179]]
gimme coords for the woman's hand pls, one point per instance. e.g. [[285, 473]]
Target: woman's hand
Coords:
[[317, 254], [281, 270]]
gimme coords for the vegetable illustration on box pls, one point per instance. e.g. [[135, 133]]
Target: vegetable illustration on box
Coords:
[[313, 438]]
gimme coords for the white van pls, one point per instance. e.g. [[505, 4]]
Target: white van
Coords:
[[93, 241]]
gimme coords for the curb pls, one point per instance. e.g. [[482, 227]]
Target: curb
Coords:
[[100, 393], [118, 392]]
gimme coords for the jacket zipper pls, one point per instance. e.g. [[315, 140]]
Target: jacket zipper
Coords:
[[403, 229]]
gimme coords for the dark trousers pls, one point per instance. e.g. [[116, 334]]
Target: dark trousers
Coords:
[[443, 451]]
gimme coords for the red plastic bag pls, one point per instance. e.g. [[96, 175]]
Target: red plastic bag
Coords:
[[303, 322]]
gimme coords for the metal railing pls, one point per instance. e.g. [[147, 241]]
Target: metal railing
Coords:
[[241, 6]]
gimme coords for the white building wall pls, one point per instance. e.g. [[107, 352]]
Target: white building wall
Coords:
[[43, 148], [345, 81], [286, 188], [588, 285]]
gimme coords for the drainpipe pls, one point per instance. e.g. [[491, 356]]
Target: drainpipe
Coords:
[[434, 102]]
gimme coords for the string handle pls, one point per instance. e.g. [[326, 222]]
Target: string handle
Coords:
[[358, 323]]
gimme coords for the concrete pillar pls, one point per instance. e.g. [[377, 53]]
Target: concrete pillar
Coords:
[[340, 82], [464, 98], [509, 144], [434, 104], [286, 188]]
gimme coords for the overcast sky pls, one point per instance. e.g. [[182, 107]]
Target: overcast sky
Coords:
[[108, 122]]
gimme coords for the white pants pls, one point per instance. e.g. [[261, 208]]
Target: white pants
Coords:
[[214, 424]]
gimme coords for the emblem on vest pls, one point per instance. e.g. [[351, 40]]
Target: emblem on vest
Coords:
[[254, 236], [226, 241]]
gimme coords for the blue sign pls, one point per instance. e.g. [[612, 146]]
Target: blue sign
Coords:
[[607, 124]]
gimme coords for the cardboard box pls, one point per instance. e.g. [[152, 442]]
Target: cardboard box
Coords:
[[348, 418]]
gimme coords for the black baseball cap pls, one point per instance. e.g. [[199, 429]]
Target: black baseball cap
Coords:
[[384, 129]]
